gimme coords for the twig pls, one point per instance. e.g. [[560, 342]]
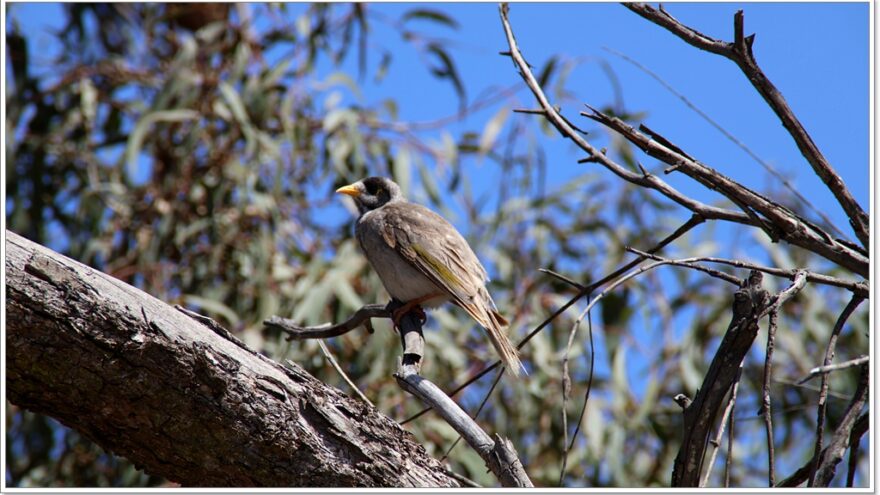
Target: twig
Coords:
[[765, 403], [823, 393], [689, 263], [821, 370], [462, 479], [860, 288], [854, 439], [566, 380], [803, 473], [740, 52], [296, 332], [716, 442], [843, 433], [342, 373], [728, 459]]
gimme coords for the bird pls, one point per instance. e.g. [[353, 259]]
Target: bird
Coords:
[[423, 261]]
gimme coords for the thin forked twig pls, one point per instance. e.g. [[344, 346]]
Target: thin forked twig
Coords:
[[297, 332], [823, 393], [821, 370], [567, 379], [857, 288]]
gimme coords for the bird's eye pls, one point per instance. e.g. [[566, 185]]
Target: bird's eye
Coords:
[[372, 188]]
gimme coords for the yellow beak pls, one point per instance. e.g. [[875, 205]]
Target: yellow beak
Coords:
[[349, 190]]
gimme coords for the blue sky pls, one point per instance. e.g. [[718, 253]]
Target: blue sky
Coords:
[[816, 54]]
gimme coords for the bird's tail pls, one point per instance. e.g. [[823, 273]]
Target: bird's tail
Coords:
[[505, 349]]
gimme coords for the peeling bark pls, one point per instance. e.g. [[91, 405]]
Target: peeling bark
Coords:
[[183, 399]]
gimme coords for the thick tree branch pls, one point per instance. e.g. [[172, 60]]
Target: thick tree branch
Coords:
[[751, 304], [181, 397], [740, 52]]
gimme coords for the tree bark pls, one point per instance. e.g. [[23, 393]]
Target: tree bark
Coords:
[[181, 398]]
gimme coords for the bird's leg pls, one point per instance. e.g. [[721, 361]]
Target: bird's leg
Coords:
[[414, 306]]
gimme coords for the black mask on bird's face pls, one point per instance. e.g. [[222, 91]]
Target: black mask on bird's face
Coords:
[[372, 193]]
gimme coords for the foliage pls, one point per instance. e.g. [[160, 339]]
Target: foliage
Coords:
[[191, 150]]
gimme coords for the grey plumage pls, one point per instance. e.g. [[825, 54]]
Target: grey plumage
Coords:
[[418, 254]]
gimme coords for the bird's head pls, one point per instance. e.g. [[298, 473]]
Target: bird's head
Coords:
[[372, 193]]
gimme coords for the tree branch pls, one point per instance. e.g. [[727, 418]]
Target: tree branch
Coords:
[[823, 393], [751, 303], [821, 370], [841, 439], [780, 222], [361, 316], [498, 454], [740, 52], [803, 473], [777, 221], [181, 397]]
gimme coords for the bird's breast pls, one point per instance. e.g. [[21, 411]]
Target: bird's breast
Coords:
[[402, 280]]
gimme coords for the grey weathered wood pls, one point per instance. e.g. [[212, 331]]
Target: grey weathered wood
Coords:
[[498, 453], [182, 398]]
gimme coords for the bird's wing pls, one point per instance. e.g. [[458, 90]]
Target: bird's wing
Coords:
[[432, 245]]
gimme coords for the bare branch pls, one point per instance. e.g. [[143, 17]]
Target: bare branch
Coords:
[[767, 166], [499, 454], [823, 393], [841, 439], [740, 52], [821, 370], [361, 316], [566, 130], [751, 303], [859, 288], [779, 223], [803, 473]]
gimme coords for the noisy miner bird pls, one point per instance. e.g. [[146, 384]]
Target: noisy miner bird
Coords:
[[423, 261]]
